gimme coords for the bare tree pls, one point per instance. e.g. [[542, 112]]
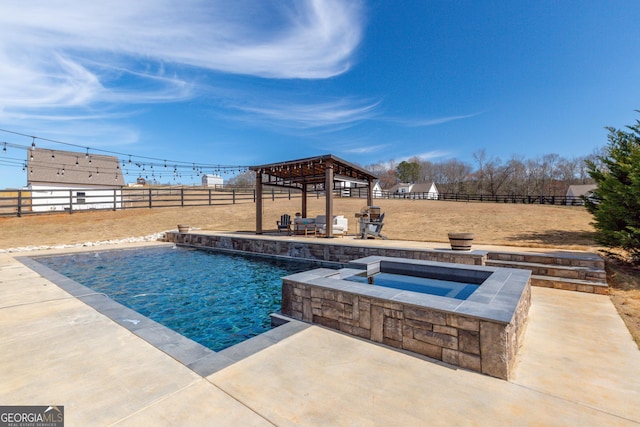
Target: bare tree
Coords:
[[497, 174], [480, 157]]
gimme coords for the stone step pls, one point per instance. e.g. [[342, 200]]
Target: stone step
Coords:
[[570, 284], [560, 271], [560, 258]]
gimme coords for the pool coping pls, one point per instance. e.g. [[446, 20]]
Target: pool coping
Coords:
[[200, 359]]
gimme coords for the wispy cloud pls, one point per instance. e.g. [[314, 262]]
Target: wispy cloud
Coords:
[[367, 149], [342, 112], [430, 122], [61, 54], [428, 155]]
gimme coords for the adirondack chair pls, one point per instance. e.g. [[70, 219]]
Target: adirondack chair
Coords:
[[374, 228], [284, 223]]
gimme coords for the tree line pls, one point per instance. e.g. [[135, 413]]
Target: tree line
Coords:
[[549, 175]]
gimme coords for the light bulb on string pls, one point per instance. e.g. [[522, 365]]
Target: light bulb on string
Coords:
[[4, 149], [33, 143]]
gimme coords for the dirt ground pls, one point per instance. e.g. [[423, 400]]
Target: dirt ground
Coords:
[[534, 226]]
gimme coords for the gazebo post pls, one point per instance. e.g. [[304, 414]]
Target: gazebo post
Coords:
[[370, 193], [328, 195], [258, 202], [304, 201]]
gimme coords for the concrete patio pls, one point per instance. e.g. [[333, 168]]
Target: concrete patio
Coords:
[[578, 366]]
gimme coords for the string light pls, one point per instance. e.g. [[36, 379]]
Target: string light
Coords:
[[198, 170]]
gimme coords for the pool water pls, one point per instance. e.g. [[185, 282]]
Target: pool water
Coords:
[[425, 285], [216, 299]]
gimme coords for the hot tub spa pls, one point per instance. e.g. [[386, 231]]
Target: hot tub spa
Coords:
[[479, 328]]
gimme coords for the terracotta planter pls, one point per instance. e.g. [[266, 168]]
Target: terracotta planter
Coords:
[[461, 241], [183, 228]]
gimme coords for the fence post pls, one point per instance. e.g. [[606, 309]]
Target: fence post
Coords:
[[150, 196], [254, 195], [19, 204], [70, 202], [273, 195], [209, 197], [233, 192], [182, 197]]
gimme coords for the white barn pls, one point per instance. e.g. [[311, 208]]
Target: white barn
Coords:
[[416, 191], [576, 191], [212, 181], [67, 180], [377, 190]]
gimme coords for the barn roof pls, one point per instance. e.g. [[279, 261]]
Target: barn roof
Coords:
[[68, 167]]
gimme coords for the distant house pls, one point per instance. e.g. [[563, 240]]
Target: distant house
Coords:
[[377, 190], [67, 180], [212, 181], [416, 191], [575, 193]]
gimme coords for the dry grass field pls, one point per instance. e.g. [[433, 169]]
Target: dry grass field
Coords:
[[534, 226], [417, 220]]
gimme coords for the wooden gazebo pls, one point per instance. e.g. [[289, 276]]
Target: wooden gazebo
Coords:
[[321, 173]]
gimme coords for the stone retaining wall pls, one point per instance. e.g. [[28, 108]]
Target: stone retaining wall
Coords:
[[320, 249]]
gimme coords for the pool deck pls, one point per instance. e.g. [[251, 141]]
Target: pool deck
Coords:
[[56, 350]]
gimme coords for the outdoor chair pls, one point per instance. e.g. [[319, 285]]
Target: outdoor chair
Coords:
[[284, 223], [373, 228]]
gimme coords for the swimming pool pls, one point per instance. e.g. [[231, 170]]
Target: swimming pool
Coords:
[[216, 299]]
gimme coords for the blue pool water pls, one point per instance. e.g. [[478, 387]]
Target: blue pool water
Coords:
[[213, 298], [425, 285]]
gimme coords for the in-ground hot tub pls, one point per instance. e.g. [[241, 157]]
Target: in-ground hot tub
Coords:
[[478, 329]]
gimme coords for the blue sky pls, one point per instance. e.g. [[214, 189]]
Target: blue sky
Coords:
[[247, 82]]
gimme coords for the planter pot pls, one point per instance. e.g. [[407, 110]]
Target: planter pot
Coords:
[[183, 228], [461, 241]]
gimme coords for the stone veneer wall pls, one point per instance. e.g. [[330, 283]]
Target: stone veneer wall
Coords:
[[476, 344], [320, 249]]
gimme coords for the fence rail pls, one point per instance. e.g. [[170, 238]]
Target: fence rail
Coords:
[[460, 197], [29, 202]]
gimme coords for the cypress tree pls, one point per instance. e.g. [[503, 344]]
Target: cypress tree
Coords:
[[615, 204]]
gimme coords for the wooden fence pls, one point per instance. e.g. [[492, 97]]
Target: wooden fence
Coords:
[[24, 202], [28, 202]]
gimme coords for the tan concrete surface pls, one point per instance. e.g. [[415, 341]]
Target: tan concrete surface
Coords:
[[578, 348], [578, 366], [319, 377]]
